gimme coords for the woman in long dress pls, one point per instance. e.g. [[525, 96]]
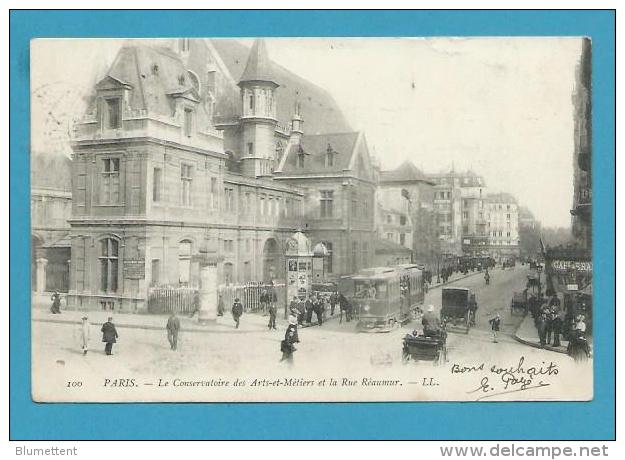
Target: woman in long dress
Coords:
[[85, 334]]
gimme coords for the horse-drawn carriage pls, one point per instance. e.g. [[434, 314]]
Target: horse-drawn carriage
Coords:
[[458, 309], [425, 348], [518, 304]]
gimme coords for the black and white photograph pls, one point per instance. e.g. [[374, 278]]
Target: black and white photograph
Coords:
[[311, 219]]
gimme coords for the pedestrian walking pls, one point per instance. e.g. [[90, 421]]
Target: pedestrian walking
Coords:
[[301, 312], [318, 307], [237, 311], [495, 323], [334, 299], [272, 316], [109, 335], [309, 309], [56, 303], [173, 328], [549, 316], [85, 334], [541, 327], [578, 347], [558, 324], [294, 308], [220, 306], [287, 346]]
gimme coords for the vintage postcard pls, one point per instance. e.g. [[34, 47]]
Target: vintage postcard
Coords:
[[327, 219]]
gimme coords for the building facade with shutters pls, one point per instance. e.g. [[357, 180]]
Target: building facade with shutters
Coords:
[[503, 225]]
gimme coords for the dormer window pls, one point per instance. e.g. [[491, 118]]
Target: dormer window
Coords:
[[330, 156], [112, 113]]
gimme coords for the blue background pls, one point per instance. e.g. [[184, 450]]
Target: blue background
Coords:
[[591, 420]]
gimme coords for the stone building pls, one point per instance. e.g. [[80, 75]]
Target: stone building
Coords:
[[178, 156], [459, 200], [582, 158], [503, 225], [406, 196], [50, 201]]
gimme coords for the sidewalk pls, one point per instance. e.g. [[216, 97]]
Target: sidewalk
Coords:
[[528, 335], [224, 324], [454, 277]]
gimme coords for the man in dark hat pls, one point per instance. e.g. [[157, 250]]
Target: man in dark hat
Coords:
[[309, 309], [173, 327], [495, 323], [109, 336], [237, 311], [273, 312]]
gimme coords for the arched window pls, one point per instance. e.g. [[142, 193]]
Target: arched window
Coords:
[[184, 262], [228, 270], [109, 264]]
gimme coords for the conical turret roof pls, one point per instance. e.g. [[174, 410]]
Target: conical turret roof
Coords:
[[258, 66]]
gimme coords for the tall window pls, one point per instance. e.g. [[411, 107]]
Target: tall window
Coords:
[[288, 207], [354, 256], [228, 271], [109, 263], [156, 272], [326, 203], [330, 156], [188, 122], [213, 192], [156, 184], [184, 262], [365, 254], [113, 112], [250, 148], [262, 204], [328, 258], [229, 199], [185, 184], [110, 181]]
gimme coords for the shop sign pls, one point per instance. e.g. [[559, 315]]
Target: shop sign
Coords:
[[134, 269]]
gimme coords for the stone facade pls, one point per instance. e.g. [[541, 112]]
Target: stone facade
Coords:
[[503, 225], [159, 179]]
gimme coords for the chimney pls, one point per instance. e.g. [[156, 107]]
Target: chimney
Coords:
[[297, 125]]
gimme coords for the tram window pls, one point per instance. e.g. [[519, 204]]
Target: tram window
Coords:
[[370, 290]]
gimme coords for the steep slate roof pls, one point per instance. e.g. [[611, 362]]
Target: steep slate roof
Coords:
[[382, 246], [315, 147], [320, 112], [259, 67], [405, 172], [155, 74]]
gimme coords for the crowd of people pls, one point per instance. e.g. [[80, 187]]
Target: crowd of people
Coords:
[[553, 324]]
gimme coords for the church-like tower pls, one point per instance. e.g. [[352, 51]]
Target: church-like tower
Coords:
[[258, 114]]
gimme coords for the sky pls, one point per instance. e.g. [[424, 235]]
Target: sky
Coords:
[[499, 106]]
